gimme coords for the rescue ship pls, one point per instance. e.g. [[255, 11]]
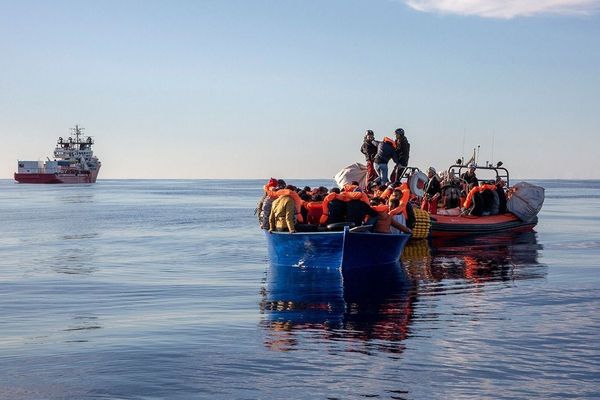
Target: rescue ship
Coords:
[[74, 162]]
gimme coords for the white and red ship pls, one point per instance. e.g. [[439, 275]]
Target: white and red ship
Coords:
[[74, 163]]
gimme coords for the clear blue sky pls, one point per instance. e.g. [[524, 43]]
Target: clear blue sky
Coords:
[[253, 89]]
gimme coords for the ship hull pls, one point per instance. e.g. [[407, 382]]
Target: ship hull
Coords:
[[57, 178]]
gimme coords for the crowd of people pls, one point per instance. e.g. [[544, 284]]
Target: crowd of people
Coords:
[[385, 204], [286, 208]]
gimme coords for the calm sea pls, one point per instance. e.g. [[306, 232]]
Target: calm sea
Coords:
[[161, 289]]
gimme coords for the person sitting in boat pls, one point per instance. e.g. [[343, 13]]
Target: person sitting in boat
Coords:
[[263, 208], [451, 189], [336, 210], [469, 178], [283, 212], [386, 150], [482, 200], [433, 191], [369, 149], [305, 194], [384, 221], [359, 212], [500, 190], [396, 211]]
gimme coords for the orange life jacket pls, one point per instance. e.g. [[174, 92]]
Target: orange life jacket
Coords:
[[314, 211], [477, 189], [390, 141], [401, 209], [350, 188], [344, 196], [274, 194]]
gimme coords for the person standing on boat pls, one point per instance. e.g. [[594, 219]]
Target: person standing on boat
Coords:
[[386, 150], [470, 179], [403, 151], [369, 149], [451, 189], [433, 191]]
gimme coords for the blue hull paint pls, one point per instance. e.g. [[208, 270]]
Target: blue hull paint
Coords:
[[335, 249]]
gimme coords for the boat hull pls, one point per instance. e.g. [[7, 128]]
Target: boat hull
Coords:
[[335, 249], [56, 178], [446, 225]]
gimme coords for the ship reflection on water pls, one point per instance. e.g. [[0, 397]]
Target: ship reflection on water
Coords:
[[372, 308]]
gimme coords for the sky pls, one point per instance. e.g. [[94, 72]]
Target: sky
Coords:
[[287, 88]]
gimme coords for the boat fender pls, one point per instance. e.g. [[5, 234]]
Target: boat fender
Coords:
[[417, 182], [422, 224]]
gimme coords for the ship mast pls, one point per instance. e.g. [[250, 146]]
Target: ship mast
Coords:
[[77, 131]]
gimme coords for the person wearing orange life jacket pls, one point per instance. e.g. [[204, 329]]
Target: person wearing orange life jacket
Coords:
[[282, 215], [334, 209], [335, 205], [386, 150], [385, 221], [357, 211], [314, 210], [289, 190], [474, 203]]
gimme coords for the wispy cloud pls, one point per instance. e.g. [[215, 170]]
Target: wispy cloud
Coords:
[[506, 9]]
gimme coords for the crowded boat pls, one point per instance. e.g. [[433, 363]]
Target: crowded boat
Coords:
[[408, 200]]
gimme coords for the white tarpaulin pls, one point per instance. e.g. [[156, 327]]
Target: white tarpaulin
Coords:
[[526, 200], [355, 172]]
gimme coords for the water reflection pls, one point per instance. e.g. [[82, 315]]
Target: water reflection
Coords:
[[501, 257], [358, 304], [376, 305]]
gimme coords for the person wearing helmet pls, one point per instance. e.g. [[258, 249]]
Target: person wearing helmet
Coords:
[[469, 178], [402, 150], [369, 149]]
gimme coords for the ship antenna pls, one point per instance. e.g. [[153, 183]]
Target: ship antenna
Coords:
[[77, 130], [493, 137]]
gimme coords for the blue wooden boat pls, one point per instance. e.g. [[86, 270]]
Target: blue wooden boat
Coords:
[[335, 249]]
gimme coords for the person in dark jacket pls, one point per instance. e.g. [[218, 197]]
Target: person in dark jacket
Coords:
[[469, 178], [357, 210], [369, 149], [386, 150], [433, 191], [403, 151], [500, 185], [337, 209]]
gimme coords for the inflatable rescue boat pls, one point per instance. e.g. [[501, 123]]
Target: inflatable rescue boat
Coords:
[[448, 225], [523, 203]]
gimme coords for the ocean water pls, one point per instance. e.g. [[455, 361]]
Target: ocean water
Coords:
[[161, 289]]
